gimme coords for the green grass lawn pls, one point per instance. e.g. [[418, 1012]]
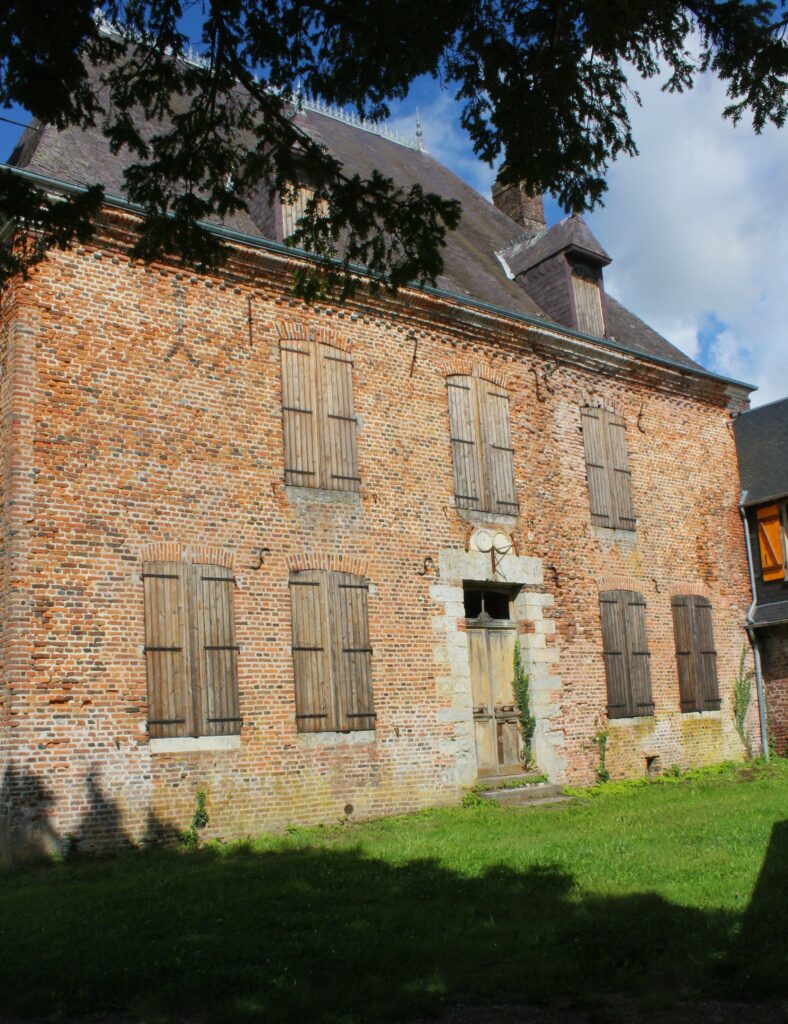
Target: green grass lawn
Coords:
[[677, 889]]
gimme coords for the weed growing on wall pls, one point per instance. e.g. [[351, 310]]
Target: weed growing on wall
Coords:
[[521, 687], [742, 692], [600, 739], [191, 837]]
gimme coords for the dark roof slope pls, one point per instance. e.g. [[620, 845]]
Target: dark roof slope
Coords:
[[762, 446], [471, 267], [569, 233]]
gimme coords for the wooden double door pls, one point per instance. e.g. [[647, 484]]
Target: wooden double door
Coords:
[[495, 718]]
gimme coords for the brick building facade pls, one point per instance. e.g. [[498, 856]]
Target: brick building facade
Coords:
[[145, 427]]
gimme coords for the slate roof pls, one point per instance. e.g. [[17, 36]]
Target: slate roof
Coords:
[[471, 267], [762, 446], [571, 233]]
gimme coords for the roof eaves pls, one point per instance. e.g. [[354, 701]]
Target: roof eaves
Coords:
[[230, 234]]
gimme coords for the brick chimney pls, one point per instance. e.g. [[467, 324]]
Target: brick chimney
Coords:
[[519, 204]]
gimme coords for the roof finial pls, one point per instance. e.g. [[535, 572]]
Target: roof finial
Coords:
[[419, 132]]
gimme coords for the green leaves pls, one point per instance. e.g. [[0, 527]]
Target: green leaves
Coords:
[[543, 87]]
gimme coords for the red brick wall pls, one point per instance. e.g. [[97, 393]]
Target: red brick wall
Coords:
[[774, 660], [143, 406]]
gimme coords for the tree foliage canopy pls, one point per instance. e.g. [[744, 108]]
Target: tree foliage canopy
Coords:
[[543, 88]]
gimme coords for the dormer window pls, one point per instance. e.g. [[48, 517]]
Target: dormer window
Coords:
[[588, 300], [293, 209]]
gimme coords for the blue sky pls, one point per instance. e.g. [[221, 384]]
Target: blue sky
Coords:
[[697, 225]]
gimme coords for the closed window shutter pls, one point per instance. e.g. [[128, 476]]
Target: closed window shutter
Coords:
[[614, 647], [588, 306], [466, 449], [770, 542], [625, 648], [170, 709], [705, 654], [299, 414], [638, 653], [607, 469], [338, 420], [599, 492], [618, 469], [685, 655], [498, 451], [352, 651], [215, 653], [314, 696], [293, 211]]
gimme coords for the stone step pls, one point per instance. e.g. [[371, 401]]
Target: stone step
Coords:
[[526, 794], [503, 781]]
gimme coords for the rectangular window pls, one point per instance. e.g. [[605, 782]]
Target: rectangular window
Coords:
[[771, 542], [190, 650], [625, 648], [607, 469], [588, 302], [481, 446], [695, 653], [319, 416], [293, 210], [332, 654]]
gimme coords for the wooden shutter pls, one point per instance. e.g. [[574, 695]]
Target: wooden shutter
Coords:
[[314, 691], [706, 654], [498, 451], [770, 540], [293, 211], [588, 306], [607, 469], [695, 653], [466, 449], [614, 647], [299, 413], [170, 709], [625, 648], [637, 653], [618, 471], [352, 651], [596, 466], [685, 656], [214, 650], [338, 420]]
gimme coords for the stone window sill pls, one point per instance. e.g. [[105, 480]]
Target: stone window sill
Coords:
[[634, 720], [331, 739], [321, 496], [193, 744], [609, 534], [711, 713]]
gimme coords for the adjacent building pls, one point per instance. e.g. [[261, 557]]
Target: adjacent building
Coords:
[[762, 444]]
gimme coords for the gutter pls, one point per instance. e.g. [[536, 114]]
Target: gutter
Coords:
[[268, 245], [752, 633]]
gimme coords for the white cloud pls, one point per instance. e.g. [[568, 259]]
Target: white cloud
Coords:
[[697, 226]]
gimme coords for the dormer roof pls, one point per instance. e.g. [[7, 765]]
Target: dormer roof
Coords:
[[570, 235]]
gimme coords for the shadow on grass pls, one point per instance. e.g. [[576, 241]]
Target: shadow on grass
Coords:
[[332, 935]]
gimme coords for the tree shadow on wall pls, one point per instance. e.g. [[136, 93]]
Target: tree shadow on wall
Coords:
[[330, 935], [26, 809]]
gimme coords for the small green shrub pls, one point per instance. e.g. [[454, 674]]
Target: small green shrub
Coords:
[[474, 798], [601, 736], [191, 838], [521, 687], [742, 693]]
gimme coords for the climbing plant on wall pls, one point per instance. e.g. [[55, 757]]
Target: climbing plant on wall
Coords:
[[521, 687]]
